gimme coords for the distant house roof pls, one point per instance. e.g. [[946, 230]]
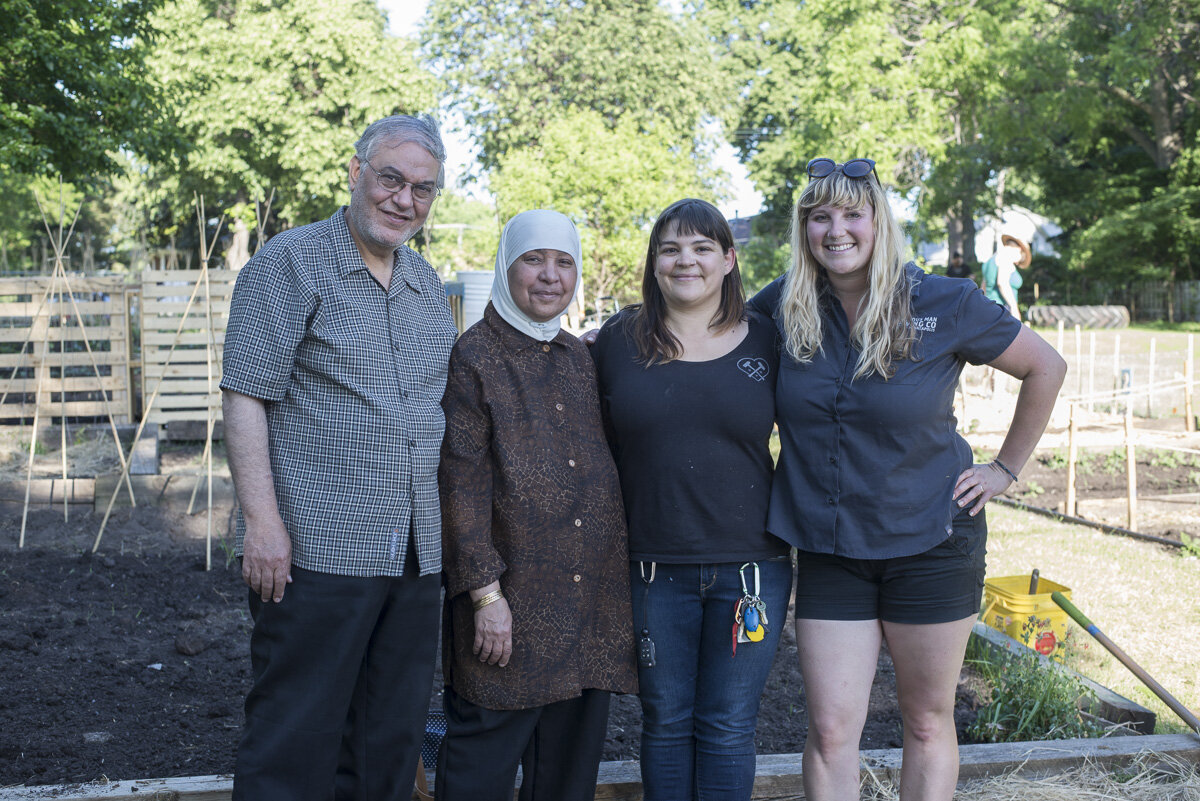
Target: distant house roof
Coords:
[[742, 227]]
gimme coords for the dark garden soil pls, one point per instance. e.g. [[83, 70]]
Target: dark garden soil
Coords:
[[1168, 488], [132, 663]]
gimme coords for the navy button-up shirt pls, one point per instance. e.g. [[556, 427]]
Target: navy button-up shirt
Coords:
[[352, 376], [867, 466]]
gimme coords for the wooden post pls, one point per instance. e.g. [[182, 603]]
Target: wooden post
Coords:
[[1072, 453], [1189, 421], [37, 407], [1078, 359], [1150, 381], [1116, 363], [1091, 369], [62, 389], [1060, 336], [1130, 468]]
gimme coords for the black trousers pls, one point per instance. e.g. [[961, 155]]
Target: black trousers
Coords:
[[558, 747], [343, 668]]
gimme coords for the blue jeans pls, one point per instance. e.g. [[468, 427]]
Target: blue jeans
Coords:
[[700, 701]]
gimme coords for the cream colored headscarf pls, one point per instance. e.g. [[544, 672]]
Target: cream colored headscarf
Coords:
[[540, 229]]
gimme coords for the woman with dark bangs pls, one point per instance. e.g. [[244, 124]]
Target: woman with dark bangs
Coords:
[[875, 487], [687, 384]]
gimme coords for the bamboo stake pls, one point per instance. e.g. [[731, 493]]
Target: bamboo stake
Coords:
[[62, 392], [261, 216], [1091, 369], [37, 407], [112, 423], [1130, 468], [1189, 420], [1079, 360], [12, 377], [146, 414], [1150, 381], [1116, 364], [158, 386], [209, 348], [1072, 456], [87, 344]]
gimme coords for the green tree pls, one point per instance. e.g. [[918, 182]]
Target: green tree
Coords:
[[1110, 91], [73, 87], [913, 84], [513, 68], [612, 182], [461, 234], [271, 96]]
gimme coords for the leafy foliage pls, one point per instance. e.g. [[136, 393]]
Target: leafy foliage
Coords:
[[591, 108], [514, 68], [1029, 701], [612, 182], [271, 96], [73, 86]]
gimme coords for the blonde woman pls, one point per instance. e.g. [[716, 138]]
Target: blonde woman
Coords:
[[874, 486]]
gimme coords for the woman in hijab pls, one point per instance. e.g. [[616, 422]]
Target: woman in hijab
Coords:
[[536, 631]]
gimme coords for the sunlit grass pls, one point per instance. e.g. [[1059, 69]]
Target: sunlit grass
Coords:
[[1145, 597]]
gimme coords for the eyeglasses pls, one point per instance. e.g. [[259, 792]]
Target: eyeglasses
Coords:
[[854, 168], [425, 193]]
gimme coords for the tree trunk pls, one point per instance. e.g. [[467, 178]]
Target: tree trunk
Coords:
[[238, 252]]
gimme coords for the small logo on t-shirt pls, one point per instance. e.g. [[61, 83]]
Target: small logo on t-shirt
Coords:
[[758, 369], [925, 323]]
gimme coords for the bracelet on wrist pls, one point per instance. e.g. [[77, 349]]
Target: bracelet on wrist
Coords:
[[490, 598], [1004, 467]]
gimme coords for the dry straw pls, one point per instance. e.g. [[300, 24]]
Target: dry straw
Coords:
[[1148, 778]]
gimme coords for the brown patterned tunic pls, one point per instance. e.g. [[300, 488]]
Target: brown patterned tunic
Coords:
[[530, 496]]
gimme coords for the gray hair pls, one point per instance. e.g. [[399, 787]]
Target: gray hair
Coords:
[[400, 128]]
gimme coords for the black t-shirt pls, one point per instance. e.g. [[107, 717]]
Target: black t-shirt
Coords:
[[690, 441]]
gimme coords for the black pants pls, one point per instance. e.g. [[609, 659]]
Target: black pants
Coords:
[[558, 747], [343, 668]]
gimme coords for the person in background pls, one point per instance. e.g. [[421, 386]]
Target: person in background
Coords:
[[687, 383], [334, 369], [1001, 276], [957, 268], [874, 486], [536, 631]]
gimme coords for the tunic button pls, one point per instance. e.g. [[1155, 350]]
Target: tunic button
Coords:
[[571, 462], [546, 348], [578, 522], [577, 578], [833, 460], [829, 501], [558, 406]]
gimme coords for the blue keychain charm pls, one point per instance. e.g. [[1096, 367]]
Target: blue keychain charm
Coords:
[[751, 618]]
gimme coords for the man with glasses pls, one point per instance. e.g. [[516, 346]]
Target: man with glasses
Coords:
[[334, 369]]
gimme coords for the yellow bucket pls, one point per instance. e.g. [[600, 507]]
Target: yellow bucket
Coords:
[[1034, 620]]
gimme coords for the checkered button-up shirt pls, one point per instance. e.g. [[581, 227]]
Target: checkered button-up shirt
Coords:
[[352, 377]]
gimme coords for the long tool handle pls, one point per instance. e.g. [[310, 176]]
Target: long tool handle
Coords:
[[1127, 661]]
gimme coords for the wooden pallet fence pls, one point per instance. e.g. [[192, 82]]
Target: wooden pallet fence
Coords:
[[186, 393], [42, 352]]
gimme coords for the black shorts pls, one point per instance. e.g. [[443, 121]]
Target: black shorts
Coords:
[[940, 585]]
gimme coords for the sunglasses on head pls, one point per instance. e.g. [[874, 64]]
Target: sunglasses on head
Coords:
[[854, 168]]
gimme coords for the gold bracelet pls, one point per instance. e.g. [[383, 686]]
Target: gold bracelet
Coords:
[[490, 598]]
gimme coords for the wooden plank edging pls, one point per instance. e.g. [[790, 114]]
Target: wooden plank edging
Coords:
[[778, 776]]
